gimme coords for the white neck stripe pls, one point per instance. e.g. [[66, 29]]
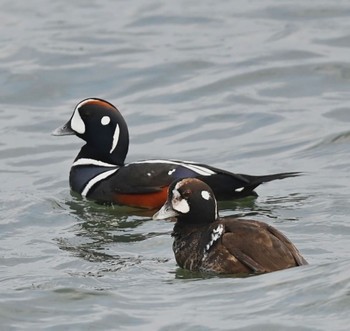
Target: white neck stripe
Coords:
[[95, 180], [215, 235], [86, 161], [115, 139]]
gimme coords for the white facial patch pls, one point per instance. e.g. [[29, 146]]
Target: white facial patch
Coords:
[[170, 172], [105, 120], [76, 123], [115, 139], [205, 195], [179, 204]]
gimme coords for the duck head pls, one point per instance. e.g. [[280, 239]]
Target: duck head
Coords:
[[104, 129], [190, 201]]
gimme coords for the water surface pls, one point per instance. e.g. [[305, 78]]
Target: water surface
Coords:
[[252, 87]]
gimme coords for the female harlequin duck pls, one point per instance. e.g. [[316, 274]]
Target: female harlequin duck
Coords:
[[203, 241], [99, 171]]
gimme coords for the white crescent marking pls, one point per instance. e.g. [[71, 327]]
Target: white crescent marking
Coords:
[[76, 123], [95, 180], [115, 139]]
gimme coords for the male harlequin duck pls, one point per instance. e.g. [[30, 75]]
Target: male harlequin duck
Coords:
[[99, 171], [203, 241]]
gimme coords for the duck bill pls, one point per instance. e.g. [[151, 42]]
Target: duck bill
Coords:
[[64, 130], [165, 212]]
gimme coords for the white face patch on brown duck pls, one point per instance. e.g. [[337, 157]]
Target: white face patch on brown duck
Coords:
[[178, 203]]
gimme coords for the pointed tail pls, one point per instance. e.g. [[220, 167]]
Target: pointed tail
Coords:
[[255, 181]]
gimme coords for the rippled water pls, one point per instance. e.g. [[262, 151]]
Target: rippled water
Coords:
[[254, 87]]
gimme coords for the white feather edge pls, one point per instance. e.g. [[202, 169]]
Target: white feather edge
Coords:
[[200, 170]]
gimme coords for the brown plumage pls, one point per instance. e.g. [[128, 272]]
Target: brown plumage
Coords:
[[203, 241]]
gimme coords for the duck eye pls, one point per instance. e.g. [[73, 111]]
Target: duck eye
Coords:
[[185, 194]]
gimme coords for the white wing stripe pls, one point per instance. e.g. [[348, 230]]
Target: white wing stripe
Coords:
[[194, 167]]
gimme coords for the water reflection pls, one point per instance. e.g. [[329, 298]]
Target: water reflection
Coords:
[[192, 275], [103, 233]]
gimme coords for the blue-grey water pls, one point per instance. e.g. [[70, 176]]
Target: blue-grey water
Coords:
[[249, 86]]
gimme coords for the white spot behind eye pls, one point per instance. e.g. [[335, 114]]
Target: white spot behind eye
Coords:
[[115, 139], [105, 120], [76, 123], [205, 195], [170, 172]]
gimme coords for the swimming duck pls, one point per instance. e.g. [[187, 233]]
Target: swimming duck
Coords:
[[206, 242], [99, 172]]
